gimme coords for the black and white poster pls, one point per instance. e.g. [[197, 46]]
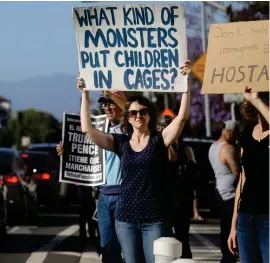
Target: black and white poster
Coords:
[[82, 162]]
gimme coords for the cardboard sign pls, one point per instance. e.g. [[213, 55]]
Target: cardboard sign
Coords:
[[237, 56], [82, 162], [132, 47]]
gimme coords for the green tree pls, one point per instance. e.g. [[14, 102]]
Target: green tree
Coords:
[[39, 126], [9, 134], [251, 11]]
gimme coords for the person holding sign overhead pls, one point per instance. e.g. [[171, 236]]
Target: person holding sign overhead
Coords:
[[250, 222], [142, 215], [111, 102]]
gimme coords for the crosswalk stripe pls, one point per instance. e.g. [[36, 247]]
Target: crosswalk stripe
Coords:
[[13, 229], [67, 253], [40, 255], [203, 250], [204, 229], [88, 254], [209, 245]]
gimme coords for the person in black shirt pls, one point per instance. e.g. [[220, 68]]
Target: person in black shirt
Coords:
[[182, 170], [142, 214], [250, 223]]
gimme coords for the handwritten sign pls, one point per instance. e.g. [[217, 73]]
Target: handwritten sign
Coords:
[[237, 56], [82, 162], [132, 47]]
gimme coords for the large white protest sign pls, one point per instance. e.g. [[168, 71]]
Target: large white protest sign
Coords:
[[82, 162], [132, 47]]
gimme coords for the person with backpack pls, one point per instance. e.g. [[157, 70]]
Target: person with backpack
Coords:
[[142, 215]]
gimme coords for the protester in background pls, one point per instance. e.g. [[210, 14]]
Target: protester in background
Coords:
[[196, 214], [182, 185], [250, 223], [108, 193], [224, 160], [86, 212], [142, 215], [165, 120]]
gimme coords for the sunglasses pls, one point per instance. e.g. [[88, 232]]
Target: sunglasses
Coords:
[[109, 105], [134, 113]]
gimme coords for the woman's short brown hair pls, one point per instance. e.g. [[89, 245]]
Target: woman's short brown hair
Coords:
[[126, 127]]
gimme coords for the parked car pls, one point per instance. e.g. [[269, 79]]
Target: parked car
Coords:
[[14, 186], [68, 192], [42, 171], [3, 212], [45, 147], [206, 178]]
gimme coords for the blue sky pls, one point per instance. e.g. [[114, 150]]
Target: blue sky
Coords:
[[37, 38]]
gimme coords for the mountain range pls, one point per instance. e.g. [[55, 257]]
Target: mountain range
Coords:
[[54, 94]]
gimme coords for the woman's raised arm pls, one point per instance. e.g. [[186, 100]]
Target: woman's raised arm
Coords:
[[101, 139], [174, 129], [257, 102]]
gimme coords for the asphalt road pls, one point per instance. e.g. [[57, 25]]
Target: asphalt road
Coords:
[[56, 240]]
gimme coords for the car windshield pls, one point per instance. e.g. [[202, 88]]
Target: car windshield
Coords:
[[39, 161], [5, 162]]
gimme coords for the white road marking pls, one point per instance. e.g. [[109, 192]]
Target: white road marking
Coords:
[[204, 229], [89, 254], [13, 229], [204, 260], [67, 253], [203, 250], [208, 244], [23, 230], [40, 255]]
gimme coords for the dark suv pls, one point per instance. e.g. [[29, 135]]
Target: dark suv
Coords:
[[42, 170], [45, 147], [68, 192]]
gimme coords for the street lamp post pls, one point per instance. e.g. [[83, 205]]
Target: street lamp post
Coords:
[[203, 35], [206, 96]]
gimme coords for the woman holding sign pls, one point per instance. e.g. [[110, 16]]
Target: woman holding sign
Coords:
[[250, 223], [142, 215]]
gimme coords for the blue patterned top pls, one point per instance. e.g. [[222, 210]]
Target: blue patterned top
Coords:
[[144, 193]]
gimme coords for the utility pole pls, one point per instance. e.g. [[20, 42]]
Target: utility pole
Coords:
[[203, 36], [206, 96]]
